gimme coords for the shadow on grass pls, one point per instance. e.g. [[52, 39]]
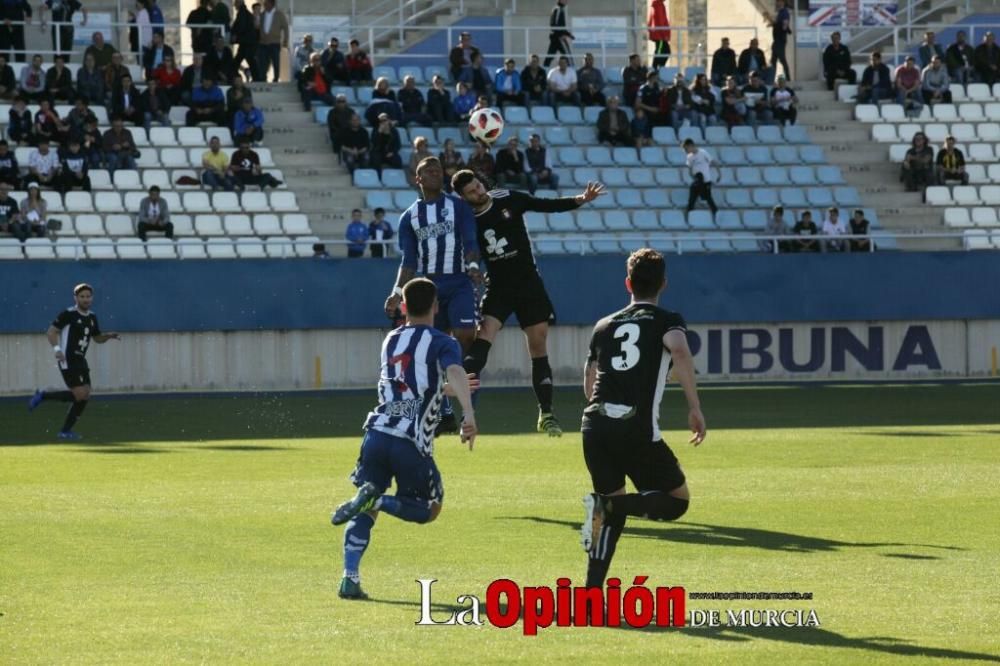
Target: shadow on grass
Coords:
[[244, 447], [123, 450], [910, 556], [912, 433], [738, 537], [444, 609]]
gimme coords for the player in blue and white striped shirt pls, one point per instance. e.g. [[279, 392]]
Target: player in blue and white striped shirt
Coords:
[[399, 432]]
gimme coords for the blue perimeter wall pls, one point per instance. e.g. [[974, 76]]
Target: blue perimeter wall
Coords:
[[344, 293]]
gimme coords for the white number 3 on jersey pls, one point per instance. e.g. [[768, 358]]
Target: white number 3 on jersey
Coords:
[[630, 352]]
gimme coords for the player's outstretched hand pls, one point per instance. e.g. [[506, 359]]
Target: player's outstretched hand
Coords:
[[61, 357], [473, 386], [475, 275], [469, 430], [594, 190], [391, 304], [696, 422]]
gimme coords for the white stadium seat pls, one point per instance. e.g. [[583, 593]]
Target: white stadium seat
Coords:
[[980, 152], [984, 217], [183, 224], [80, 202], [992, 172], [220, 248], [161, 248], [266, 225], [250, 248], [303, 245], [965, 195], [177, 174], [884, 133], [866, 113], [158, 177], [897, 152], [944, 112], [162, 137], [989, 131], [280, 247], [148, 158], [191, 248], [54, 200], [131, 248], [133, 199], [139, 136], [238, 225], [958, 92], [108, 202], [938, 196], [89, 225], [10, 248], [893, 113], [957, 217], [977, 173], [990, 195], [119, 225], [178, 115], [69, 248], [100, 248], [197, 202], [255, 202], [173, 200], [126, 179], [208, 225], [296, 224], [39, 248], [191, 136], [174, 158], [977, 239], [971, 112], [100, 179], [265, 157], [284, 202], [936, 132], [225, 138], [226, 202], [963, 132], [979, 92]]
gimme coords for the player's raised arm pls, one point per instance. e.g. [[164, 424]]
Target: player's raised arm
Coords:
[[407, 265], [561, 204], [458, 383], [676, 342], [466, 222]]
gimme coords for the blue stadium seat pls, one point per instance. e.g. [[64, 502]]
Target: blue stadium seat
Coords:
[[590, 115], [524, 134], [646, 220], [749, 176], [727, 176], [416, 72], [558, 136], [847, 196], [561, 222], [613, 75], [786, 155], [578, 246], [617, 220], [607, 202], [386, 71], [614, 177], [795, 134], [764, 197], [673, 220], [668, 176], [624, 156], [692, 72], [678, 198], [543, 115], [665, 136], [641, 177], [689, 245], [769, 134], [366, 178], [320, 113], [453, 133], [571, 156], [676, 156], [583, 135], [516, 115], [792, 197], [737, 197], [819, 196], [656, 199], [801, 175], [430, 71], [701, 220], [380, 199], [415, 131], [812, 154], [759, 155], [403, 199], [829, 175], [589, 220], [775, 175], [570, 115], [755, 220], [627, 198], [745, 245], [599, 156], [606, 246], [584, 175], [667, 75], [887, 242], [716, 135], [693, 133], [664, 245], [394, 179], [550, 247], [652, 155], [728, 219], [718, 245], [346, 91], [743, 135], [535, 222], [872, 217], [733, 155]]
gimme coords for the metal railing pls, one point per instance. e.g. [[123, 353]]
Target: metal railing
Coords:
[[388, 16], [909, 17]]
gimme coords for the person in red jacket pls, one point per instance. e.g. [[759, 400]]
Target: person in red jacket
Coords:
[[657, 22]]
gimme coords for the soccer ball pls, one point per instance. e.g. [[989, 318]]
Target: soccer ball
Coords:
[[486, 125]]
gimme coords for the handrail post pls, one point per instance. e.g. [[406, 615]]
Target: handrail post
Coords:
[[401, 22]]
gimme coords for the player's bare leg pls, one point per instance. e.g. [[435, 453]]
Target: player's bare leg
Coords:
[[449, 424], [536, 337], [77, 396]]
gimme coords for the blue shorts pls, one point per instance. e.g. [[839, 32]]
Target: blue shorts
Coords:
[[456, 302], [386, 457]]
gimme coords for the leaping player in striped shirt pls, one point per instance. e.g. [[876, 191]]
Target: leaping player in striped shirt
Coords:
[[399, 433], [437, 236]]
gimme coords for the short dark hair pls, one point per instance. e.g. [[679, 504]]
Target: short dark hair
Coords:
[[379, 211], [646, 271], [858, 211], [83, 286], [778, 209], [356, 210], [425, 162], [419, 295], [462, 179], [688, 142], [154, 188]]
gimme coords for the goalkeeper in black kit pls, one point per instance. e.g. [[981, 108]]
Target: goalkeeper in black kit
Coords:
[[513, 284]]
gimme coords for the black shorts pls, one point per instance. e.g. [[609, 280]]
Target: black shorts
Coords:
[[613, 454], [76, 375], [527, 299]]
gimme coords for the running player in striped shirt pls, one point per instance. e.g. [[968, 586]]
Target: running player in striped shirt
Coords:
[[399, 433]]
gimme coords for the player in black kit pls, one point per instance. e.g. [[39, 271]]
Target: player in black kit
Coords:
[[70, 335], [631, 354], [513, 285]]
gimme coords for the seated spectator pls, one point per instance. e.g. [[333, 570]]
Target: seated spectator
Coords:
[[359, 67], [59, 82], [92, 142], [465, 101], [482, 102], [245, 166], [702, 102], [734, 107], [723, 63], [837, 63], [125, 102], [534, 81], [215, 170], [420, 151], [302, 57], [235, 96], [783, 102], [338, 119], [540, 166], [355, 145], [859, 227], [590, 81], [461, 55], [649, 99], [8, 82], [78, 115], [641, 129], [10, 171], [155, 105], [335, 64], [451, 162], [613, 126], [101, 50], [10, 214], [439, 105], [379, 231], [208, 104], [113, 75], [319, 251], [314, 86], [48, 124], [776, 226], [507, 84], [219, 61], [20, 124], [511, 168], [935, 83], [90, 81], [382, 90], [32, 85], [563, 84], [833, 227], [248, 123], [119, 147], [356, 235], [34, 214], [876, 82], [385, 145], [928, 49], [411, 102], [678, 101], [752, 59], [908, 88], [477, 76], [951, 164], [73, 168], [805, 227], [170, 80], [634, 76], [918, 165], [154, 215], [191, 77], [758, 107], [481, 162], [156, 55], [960, 58]]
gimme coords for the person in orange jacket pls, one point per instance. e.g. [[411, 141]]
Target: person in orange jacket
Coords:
[[657, 22]]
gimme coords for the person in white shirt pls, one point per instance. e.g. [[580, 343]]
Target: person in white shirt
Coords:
[[699, 164], [43, 165], [562, 84], [833, 226]]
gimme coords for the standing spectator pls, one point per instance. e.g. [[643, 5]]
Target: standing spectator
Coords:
[[338, 119], [101, 50], [62, 23], [776, 226], [192, 77], [987, 57], [20, 124], [208, 104], [477, 76], [245, 33], [951, 163], [170, 79], [357, 236], [507, 84], [156, 18], [34, 213], [439, 105], [92, 143], [125, 102], [563, 84], [613, 126], [702, 102], [411, 103], [119, 147], [464, 102], [699, 164], [659, 33], [154, 215], [220, 60], [634, 76], [10, 172], [273, 38], [752, 59], [14, 15], [960, 59], [234, 98], [248, 123], [113, 75], [734, 106], [534, 81], [780, 29], [8, 82], [245, 166], [33, 80], [90, 81], [314, 86], [140, 35], [302, 57], [10, 214], [859, 227], [511, 168], [385, 145], [379, 231], [73, 168], [678, 100], [49, 125], [482, 162], [335, 63], [837, 63], [723, 63], [359, 67], [59, 82], [805, 227], [355, 145], [540, 166], [833, 227], [784, 103], [935, 83], [590, 81], [641, 129], [649, 100], [198, 20], [918, 164], [559, 36], [460, 56], [876, 82], [43, 165], [219, 15], [155, 105], [928, 49], [215, 170], [908, 87], [420, 151], [451, 161]]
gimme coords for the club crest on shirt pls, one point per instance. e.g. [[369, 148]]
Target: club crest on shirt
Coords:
[[505, 214]]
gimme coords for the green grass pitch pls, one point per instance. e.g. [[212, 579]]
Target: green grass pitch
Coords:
[[196, 530]]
